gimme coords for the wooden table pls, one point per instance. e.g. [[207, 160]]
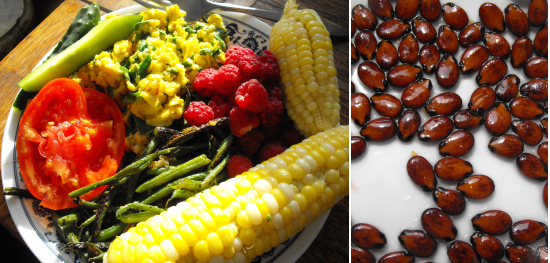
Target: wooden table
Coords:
[[331, 245]]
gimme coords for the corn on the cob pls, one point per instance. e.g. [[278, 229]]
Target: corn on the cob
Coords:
[[247, 215], [304, 54]]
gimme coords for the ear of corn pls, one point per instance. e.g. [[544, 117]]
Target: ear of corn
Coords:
[[304, 54], [247, 215]]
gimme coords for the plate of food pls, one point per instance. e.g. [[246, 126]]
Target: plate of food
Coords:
[[388, 191], [153, 76]]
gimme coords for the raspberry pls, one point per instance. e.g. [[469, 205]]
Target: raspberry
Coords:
[[227, 80], [234, 54], [219, 106], [238, 164], [270, 149], [198, 113], [291, 137], [273, 112], [275, 91], [250, 142], [252, 96], [242, 121], [263, 67], [204, 82], [271, 132]]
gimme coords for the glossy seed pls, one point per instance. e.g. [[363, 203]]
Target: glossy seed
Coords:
[[493, 222], [471, 34], [528, 131], [542, 254], [429, 57], [397, 257], [447, 71], [457, 144], [381, 8], [544, 125], [406, 9], [487, 246], [354, 53], [536, 68], [424, 30], [536, 89], [498, 45], [446, 103], [352, 87], [492, 17], [525, 232], [392, 29], [454, 169], [532, 167], [465, 120], [519, 254], [408, 49], [461, 252], [476, 186], [542, 151], [416, 94], [447, 41], [498, 120], [482, 99], [352, 29], [418, 242], [435, 129], [525, 108], [522, 50], [386, 55], [380, 129], [408, 124], [365, 43], [372, 76], [538, 12], [545, 193], [358, 146], [454, 16], [507, 89], [450, 201], [404, 75], [367, 236], [491, 72], [517, 20], [360, 108], [421, 172], [438, 224], [430, 9], [473, 58], [507, 145], [386, 105], [541, 42], [359, 255], [364, 18]]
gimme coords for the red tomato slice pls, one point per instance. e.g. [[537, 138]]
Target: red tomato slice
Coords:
[[68, 137]]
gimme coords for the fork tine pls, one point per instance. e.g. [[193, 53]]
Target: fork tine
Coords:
[[143, 3], [163, 3]]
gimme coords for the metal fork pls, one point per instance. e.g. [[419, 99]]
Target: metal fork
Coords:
[[196, 9]]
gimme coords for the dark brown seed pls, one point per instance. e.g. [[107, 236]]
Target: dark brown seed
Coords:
[[447, 41], [397, 257], [406, 9], [447, 71], [386, 55], [536, 68], [387, 105], [492, 17], [487, 246], [354, 53], [519, 254], [528, 131], [408, 49], [364, 18], [404, 75], [498, 45], [352, 29], [421, 172], [507, 145], [366, 44], [517, 20], [408, 125], [457, 144], [545, 193], [536, 89], [359, 255], [430, 9], [416, 94], [454, 16], [538, 12], [525, 232], [498, 120], [451, 168], [358, 146], [542, 254], [360, 108], [438, 224], [372, 76], [352, 87], [544, 125], [473, 58], [435, 129], [381, 8], [476, 186], [471, 34], [532, 167], [446, 103], [465, 120], [461, 252], [522, 49], [525, 108], [424, 30], [491, 72], [392, 29], [367, 236], [493, 222], [482, 99], [450, 201], [380, 129], [429, 56], [508, 88], [542, 151], [418, 242], [541, 42]]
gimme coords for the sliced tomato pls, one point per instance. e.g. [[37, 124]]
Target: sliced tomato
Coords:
[[68, 137]]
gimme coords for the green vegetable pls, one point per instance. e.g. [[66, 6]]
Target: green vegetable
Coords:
[[20, 102], [220, 39], [142, 71], [131, 97]]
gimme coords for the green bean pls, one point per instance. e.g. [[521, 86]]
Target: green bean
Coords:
[[212, 142], [195, 177], [159, 170], [179, 194], [110, 232], [151, 146], [89, 205], [69, 219], [222, 150], [98, 258], [137, 217], [87, 222], [165, 191], [215, 171], [220, 135], [164, 132], [188, 133], [97, 248], [103, 210], [182, 150], [18, 192]]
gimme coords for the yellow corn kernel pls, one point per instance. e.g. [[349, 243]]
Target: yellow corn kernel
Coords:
[[201, 251], [247, 236]]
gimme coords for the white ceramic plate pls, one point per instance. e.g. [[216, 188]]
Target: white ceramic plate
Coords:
[[34, 222], [383, 195]]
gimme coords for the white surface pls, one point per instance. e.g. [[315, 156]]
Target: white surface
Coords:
[[382, 193], [42, 240]]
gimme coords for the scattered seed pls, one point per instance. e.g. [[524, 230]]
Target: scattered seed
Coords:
[[435, 129], [493, 222], [359, 255], [450, 201], [498, 120], [525, 108], [364, 18], [476, 186], [519, 254], [507, 145], [471, 34], [406, 9], [473, 58], [532, 167], [528, 131], [482, 100], [430, 9], [461, 252], [447, 41], [366, 44], [492, 17], [386, 55], [397, 257], [541, 42], [416, 94], [380, 129], [421, 172], [404, 75], [360, 108], [536, 68], [451, 168], [457, 144], [367, 236], [522, 50], [438, 224], [408, 49], [491, 72], [372, 76], [538, 12], [542, 151], [381, 8], [429, 57], [358, 146], [386, 105], [487, 246], [418, 242], [517, 20], [392, 29], [498, 45], [446, 103], [424, 30], [465, 120], [525, 232], [408, 125], [536, 89], [508, 88]]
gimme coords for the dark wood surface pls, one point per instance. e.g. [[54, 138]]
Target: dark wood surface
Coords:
[[331, 245]]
